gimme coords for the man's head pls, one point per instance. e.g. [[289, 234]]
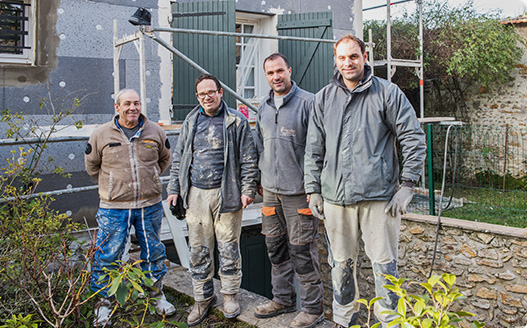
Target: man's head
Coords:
[[209, 93], [350, 57], [128, 106], [278, 73]]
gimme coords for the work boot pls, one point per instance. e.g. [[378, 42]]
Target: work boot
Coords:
[[161, 304], [200, 311], [271, 309], [306, 320], [231, 307], [102, 312]]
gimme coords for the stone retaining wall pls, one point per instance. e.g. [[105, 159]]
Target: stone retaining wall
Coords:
[[489, 261]]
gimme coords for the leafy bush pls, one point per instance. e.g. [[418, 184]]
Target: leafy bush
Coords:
[[44, 271], [433, 309]]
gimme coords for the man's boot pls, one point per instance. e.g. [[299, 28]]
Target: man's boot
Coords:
[[102, 312], [271, 309], [306, 320], [231, 307], [200, 311], [161, 304]]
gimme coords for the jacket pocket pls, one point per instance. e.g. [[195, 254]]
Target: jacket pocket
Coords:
[[110, 186], [150, 182], [157, 180], [386, 172], [270, 223]]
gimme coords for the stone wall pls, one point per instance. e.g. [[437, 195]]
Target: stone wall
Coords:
[[489, 261]]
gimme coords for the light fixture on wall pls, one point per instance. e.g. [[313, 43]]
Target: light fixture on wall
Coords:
[[142, 16]]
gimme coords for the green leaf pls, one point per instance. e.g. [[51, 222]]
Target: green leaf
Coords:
[[137, 287], [427, 286], [122, 294], [464, 314], [419, 307], [401, 306], [362, 301], [115, 284], [427, 323], [450, 279], [375, 299], [434, 280]]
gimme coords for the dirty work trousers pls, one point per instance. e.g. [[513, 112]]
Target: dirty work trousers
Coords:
[[345, 225], [205, 225], [112, 236], [291, 234]]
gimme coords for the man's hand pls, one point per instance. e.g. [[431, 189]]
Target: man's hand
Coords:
[[246, 200], [172, 199], [260, 190], [316, 205], [400, 201]]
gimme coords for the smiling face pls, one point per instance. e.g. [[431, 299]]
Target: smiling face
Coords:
[[278, 76], [129, 109], [209, 96], [350, 62]]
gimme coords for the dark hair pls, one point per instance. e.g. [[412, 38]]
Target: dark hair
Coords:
[[275, 56], [347, 38], [207, 77]]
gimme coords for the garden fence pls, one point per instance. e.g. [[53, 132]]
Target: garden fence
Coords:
[[485, 176]]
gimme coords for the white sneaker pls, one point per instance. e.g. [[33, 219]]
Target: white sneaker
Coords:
[[163, 306], [102, 313]]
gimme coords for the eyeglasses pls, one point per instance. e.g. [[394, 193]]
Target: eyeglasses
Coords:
[[209, 93]]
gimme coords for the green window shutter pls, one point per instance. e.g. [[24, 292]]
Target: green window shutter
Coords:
[[216, 54], [312, 62]]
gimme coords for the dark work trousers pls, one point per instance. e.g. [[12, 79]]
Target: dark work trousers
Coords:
[[291, 234]]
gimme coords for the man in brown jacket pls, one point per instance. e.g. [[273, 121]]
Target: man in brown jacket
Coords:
[[126, 156]]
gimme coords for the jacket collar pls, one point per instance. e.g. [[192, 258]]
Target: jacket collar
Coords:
[[288, 96], [142, 121], [363, 84], [229, 116]]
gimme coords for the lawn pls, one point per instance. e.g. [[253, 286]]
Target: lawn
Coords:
[[495, 206]]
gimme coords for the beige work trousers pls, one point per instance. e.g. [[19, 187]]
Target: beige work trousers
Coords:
[[206, 225], [345, 226]]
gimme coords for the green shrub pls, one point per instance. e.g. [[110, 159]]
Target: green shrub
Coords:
[[432, 309]]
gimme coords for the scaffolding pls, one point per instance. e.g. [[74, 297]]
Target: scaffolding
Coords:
[[138, 39], [392, 63]]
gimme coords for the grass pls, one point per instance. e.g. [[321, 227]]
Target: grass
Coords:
[[508, 208]]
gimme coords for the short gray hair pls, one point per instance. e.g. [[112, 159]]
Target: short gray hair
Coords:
[[120, 93]]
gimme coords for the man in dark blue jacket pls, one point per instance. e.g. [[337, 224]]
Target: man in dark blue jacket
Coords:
[[290, 230]]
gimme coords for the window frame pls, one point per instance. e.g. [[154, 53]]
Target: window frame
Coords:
[[28, 55], [243, 43]]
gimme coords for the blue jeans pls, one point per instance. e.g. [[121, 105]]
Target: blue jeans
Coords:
[[114, 229]]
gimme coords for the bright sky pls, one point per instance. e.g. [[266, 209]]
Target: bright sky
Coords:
[[510, 8]]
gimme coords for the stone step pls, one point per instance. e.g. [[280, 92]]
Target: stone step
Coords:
[[178, 278]]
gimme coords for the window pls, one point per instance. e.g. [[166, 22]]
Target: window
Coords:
[[17, 31], [245, 61]]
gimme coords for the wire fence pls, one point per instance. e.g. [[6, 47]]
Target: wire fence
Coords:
[[485, 176]]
